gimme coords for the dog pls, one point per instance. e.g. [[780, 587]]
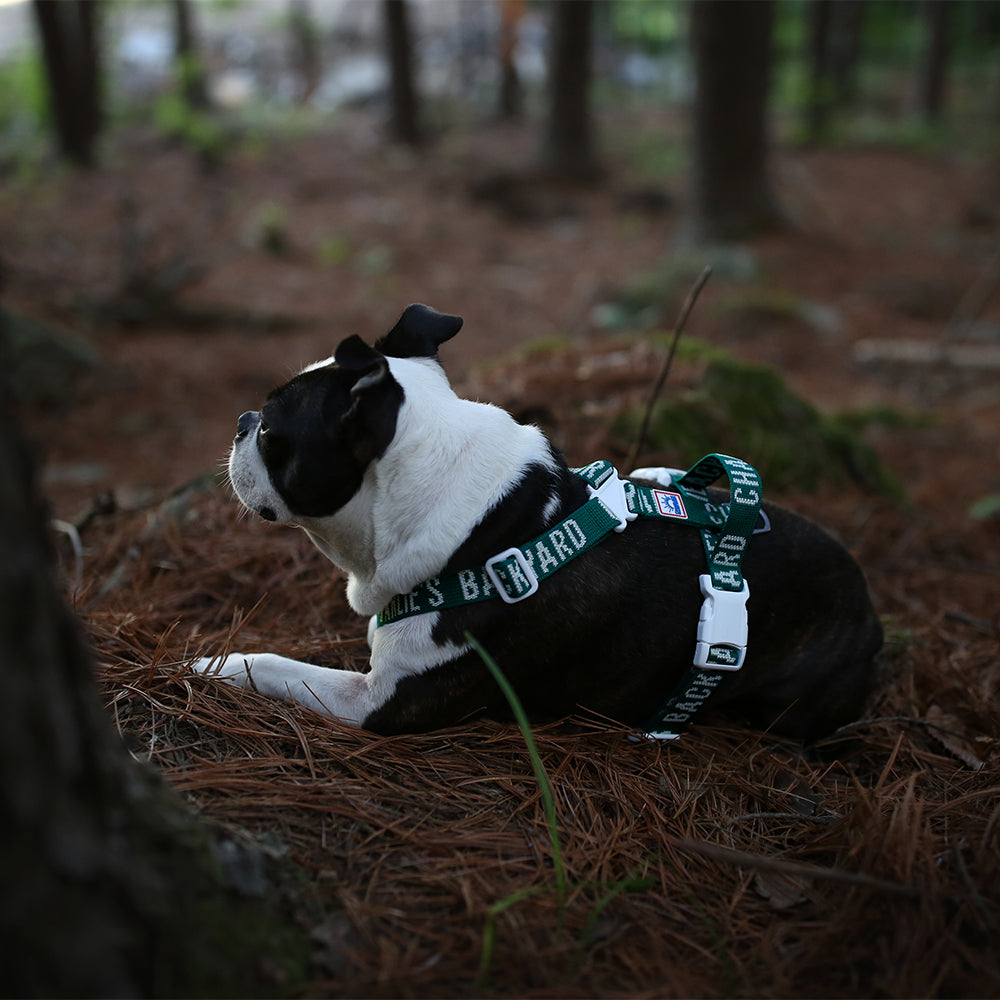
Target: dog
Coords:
[[401, 483]]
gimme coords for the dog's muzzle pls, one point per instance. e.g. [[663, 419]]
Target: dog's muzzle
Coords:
[[246, 424], [243, 480]]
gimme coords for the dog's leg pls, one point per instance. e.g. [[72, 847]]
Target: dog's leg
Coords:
[[343, 694]]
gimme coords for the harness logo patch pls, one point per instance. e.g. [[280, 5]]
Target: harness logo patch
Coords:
[[670, 504]]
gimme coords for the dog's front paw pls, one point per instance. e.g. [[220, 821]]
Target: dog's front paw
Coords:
[[234, 668]]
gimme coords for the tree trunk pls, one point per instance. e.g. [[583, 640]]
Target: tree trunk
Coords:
[[305, 48], [934, 66], [404, 122], [568, 142], [69, 35], [833, 45], [732, 54], [111, 886], [186, 51], [818, 103], [845, 50], [511, 105]]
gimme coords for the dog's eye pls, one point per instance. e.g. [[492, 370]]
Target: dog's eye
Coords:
[[264, 428]]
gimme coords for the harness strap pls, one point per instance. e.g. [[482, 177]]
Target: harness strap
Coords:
[[722, 625], [511, 575], [514, 574]]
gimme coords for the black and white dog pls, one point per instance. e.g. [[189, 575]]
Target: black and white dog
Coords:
[[398, 480]]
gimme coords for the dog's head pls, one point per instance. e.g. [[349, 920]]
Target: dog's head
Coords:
[[305, 453]]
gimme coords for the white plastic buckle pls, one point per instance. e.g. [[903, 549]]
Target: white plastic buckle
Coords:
[[722, 627], [522, 566], [658, 474], [611, 493]]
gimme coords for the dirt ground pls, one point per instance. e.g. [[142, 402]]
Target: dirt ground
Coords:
[[727, 864]]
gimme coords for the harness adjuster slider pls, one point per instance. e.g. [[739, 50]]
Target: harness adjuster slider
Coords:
[[511, 573], [722, 627], [611, 494]]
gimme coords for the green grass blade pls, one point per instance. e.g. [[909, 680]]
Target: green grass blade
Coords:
[[548, 801]]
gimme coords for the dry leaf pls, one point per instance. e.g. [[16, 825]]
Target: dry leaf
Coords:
[[780, 890], [948, 736]]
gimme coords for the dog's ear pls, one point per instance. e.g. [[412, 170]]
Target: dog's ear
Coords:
[[366, 365], [375, 398], [355, 355], [418, 333]]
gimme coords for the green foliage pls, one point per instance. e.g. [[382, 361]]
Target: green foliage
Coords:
[[882, 415], [269, 229], [773, 303], [543, 347], [24, 113], [22, 89], [913, 134], [986, 507], [653, 298], [893, 32], [197, 129], [657, 155], [653, 27], [375, 262], [334, 250], [747, 410]]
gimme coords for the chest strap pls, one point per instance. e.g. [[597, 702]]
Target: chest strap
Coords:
[[515, 573], [722, 624]]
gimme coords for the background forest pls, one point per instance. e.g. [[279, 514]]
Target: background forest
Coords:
[[198, 197]]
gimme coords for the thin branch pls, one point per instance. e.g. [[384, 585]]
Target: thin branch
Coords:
[[973, 302], [794, 868], [692, 298]]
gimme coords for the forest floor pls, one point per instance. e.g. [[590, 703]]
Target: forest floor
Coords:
[[729, 863]]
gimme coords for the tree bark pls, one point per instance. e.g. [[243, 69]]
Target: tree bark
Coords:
[[404, 118], [731, 196], [934, 66], [68, 30], [834, 43], [568, 142], [111, 886], [305, 48], [845, 50], [188, 55], [511, 103], [820, 95]]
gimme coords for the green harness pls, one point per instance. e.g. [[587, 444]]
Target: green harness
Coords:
[[726, 529]]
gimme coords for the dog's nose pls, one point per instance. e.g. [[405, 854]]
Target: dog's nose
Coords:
[[246, 424]]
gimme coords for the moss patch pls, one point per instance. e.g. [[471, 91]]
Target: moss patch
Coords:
[[748, 410]]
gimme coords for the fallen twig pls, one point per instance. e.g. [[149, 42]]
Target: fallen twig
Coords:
[[682, 318], [731, 856]]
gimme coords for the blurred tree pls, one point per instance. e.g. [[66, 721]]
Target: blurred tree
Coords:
[[834, 45], [731, 191], [69, 35], [934, 63], [404, 118], [511, 97], [112, 887], [568, 140], [305, 47], [188, 56], [819, 101], [845, 49]]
